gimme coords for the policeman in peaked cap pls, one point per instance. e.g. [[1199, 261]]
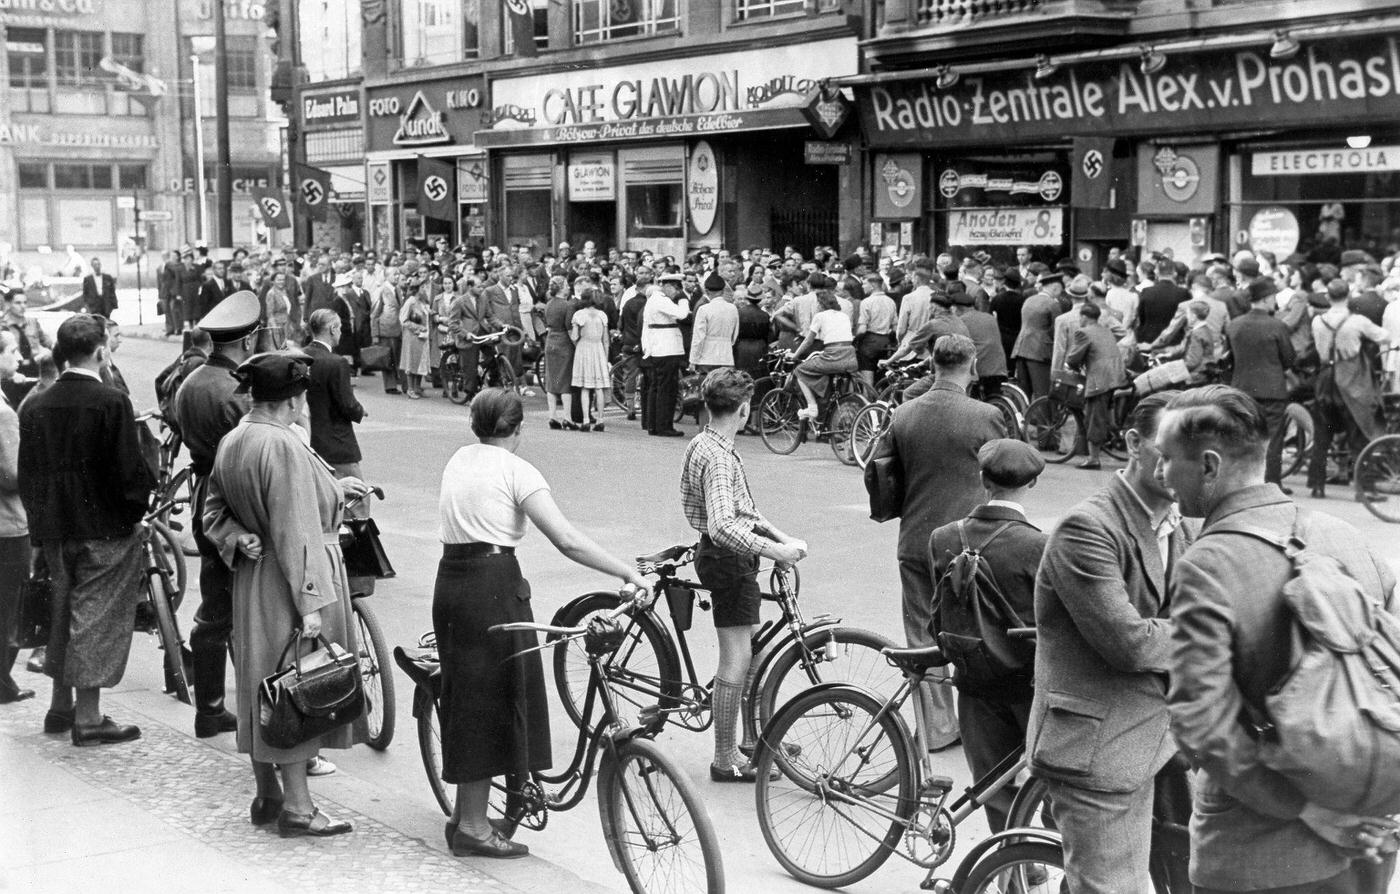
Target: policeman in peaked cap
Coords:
[[207, 407]]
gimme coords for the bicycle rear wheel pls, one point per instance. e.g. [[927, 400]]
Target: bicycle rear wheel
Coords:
[[617, 375], [839, 655], [1011, 417], [1052, 428], [827, 815], [1030, 809], [841, 422], [867, 429], [1020, 867], [1377, 476], [430, 748], [378, 680], [504, 375], [1297, 438], [180, 491], [778, 423], [655, 823], [170, 558], [1011, 391], [177, 673]]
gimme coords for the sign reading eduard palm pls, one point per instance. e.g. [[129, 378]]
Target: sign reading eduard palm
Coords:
[[1326, 82]]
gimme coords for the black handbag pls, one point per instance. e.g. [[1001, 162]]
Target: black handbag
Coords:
[[884, 482], [375, 358], [35, 611], [296, 705], [363, 551]]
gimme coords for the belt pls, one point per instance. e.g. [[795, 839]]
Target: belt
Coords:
[[834, 344], [471, 550], [663, 325]]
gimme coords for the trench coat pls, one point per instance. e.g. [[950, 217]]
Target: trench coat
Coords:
[[267, 482]]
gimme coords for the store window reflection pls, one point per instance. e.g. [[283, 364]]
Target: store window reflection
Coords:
[[654, 211]]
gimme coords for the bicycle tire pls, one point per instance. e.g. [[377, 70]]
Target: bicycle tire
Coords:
[[1297, 436], [1028, 808], [870, 425], [182, 480], [430, 748], [778, 423], [1007, 868], [644, 636], [452, 384], [1052, 428], [378, 677], [168, 629], [870, 669], [648, 853], [840, 422], [795, 785], [504, 804], [1016, 395], [1011, 418], [167, 553], [1377, 477], [505, 375]]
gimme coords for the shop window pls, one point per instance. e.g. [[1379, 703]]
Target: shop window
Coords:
[[746, 10], [436, 32], [655, 211], [33, 176], [596, 21], [72, 176], [101, 176], [242, 64], [330, 35], [76, 57], [129, 50], [131, 177], [539, 13]]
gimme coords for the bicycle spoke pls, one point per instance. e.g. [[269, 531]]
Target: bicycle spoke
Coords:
[[656, 830]]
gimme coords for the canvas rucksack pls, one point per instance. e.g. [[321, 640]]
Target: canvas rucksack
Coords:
[[970, 619], [168, 382], [1331, 725]]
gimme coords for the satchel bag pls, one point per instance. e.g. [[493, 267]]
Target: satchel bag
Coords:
[[313, 696], [363, 551], [884, 482], [375, 358], [35, 606], [1067, 387]]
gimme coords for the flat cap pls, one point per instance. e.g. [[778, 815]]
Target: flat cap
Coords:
[[1262, 288], [276, 375], [714, 283], [1009, 462], [1356, 256], [233, 318], [1248, 266]]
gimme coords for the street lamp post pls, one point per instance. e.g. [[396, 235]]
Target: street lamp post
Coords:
[[201, 210], [224, 178]]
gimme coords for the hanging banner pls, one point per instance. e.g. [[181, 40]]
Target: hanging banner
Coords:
[[522, 27], [313, 191], [1091, 172], [1006, 226], [273, 206], [435, 192]]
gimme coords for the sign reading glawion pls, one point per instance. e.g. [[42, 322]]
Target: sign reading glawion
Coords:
[[717, 93]]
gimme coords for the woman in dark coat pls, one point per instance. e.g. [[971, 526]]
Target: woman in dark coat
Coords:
[[558, 349], [495, 714]]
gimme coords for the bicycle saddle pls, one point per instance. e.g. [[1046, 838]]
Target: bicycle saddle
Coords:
[[915, 660], [666, 555], [421, 665]]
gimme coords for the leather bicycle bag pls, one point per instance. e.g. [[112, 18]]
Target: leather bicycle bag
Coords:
[[681, 602], [314, 695], [363, 551], [1067, 388]]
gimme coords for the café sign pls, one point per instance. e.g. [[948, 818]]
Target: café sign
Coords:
[[742, 90], [1329, 80]]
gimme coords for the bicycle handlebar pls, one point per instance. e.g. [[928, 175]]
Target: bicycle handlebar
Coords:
[[375, 491], [565, 632]]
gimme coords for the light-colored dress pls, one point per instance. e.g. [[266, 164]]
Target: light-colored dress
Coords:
[[589, 331], [267, 482], [415, 318]]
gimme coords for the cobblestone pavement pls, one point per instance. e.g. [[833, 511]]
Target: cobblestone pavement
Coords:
[[201, 795]]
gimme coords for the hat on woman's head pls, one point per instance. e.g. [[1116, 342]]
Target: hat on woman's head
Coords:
[[713, 283], [274, 376]]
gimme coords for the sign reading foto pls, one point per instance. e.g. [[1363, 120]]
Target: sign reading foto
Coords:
[[592, 177], [1006, 226]]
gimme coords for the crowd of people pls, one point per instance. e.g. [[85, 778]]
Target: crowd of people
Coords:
[[1152, 639]]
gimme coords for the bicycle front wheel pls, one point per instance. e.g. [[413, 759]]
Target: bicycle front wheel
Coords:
[[505, 375], [1011, 418], [1377, 475], [1297, 437], [831, 818], [170, 558], [841, 423], [839, 655], [1022, 867], [778, 422], [617, 376], [378, 681], [655, 823], [430, 748], [869, 426], [177, 675], [452, 383]]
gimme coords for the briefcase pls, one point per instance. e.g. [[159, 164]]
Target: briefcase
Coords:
[[35, 607], [375, 358], [884, 482], [1067, 387]]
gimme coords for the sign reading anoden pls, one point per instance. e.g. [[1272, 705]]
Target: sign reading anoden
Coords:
[[744, 90], [1302, 162], [702, 188], [1330, 80], [1006, 226]]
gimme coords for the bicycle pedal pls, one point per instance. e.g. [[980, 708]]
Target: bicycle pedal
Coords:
[[649, 715]]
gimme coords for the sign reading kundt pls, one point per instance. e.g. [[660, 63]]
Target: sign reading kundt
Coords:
[[1328, 80], [720, 92], [421, 124]]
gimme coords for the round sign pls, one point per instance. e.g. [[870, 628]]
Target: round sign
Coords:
[[1182, 181], [1274, 229], [1051, 185], [702, 188], [902, 189], [949, 183], [1086, 254], [435, 188]]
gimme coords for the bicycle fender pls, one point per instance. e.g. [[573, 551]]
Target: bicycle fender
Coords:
[[762, 745], [764, 660], [557, 620], [987, 845]]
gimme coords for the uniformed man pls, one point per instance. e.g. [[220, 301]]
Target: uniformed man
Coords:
[[664, 351], [207, 407]]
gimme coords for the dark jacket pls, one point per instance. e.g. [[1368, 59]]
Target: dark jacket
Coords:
[[1006, 307], [1229, 647], [1261, 350], [207, 407], [631, 322], [1157, 307], [81, 472], [333, 407], [210, 294], [319, 293], [1095, 350], [100, 297]]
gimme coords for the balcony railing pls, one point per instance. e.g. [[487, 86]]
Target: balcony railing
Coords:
[[933, 13]]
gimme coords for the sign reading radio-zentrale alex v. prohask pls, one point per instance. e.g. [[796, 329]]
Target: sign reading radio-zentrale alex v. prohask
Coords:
[[671, 98], [1328, 82]]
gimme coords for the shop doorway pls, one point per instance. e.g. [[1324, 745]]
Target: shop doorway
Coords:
[[594, 222], [804, 229]]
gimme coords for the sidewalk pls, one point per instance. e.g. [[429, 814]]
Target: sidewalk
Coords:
[[170, 812]]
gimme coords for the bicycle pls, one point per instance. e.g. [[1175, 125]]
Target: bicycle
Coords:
[[1376, 473], [783, 428], [646, 673], [493, 369], [654, 821], [174, 488], [873, 420], [162, 556], [378, 718]]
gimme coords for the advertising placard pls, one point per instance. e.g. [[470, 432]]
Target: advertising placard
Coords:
[[702, 188], [1006, 226], [592, 177]]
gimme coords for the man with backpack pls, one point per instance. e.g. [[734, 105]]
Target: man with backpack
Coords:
[[1297, 775], [984, 570]]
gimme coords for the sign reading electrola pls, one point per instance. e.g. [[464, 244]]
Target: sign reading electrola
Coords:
[[592, 177], [1303, 162], [718, 93], [702, 188], [1006, 226], [340, 107], [1329, 80]]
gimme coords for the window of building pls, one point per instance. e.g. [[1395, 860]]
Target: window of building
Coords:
[[33, 176], [334, 145], [436, 32], [242, 64], [600, 20], [76, 57], [539, 13], [72, 176], [27, 51], [129, 50], [101, 176], [131, 177], [747, 10]]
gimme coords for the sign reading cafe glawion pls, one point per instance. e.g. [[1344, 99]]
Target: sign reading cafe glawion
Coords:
[[1328, 80], [745, 90]]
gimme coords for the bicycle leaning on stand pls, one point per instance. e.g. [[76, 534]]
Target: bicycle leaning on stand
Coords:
[[654, 822], [358, 536], [164, 588]]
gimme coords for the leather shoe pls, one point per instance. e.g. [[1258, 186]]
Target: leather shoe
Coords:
[[15, 694], [951, 745], [314, 824], [1089, 464], [669, 433], [733, 773], [265, 810], [35, 664], [208, 725], [108, 732], [1318, 493], [58, 722], [498, 825], [464, 845]]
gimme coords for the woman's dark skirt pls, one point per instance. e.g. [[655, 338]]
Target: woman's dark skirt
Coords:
[[494, 712]]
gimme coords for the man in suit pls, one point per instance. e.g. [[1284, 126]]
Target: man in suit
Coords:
[[191, 280], [1261, 353], [1098, 725], [214, 289], [1159, 301], [99, 291], [502, 310], [992, 716], [1094, 351], [1251, 829], [935, 438], [169, 284], [982, 328], [1035, 342], [87, 522], [466, 316], [319, 289]]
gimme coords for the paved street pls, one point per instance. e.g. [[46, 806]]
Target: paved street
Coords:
[[187, 798]]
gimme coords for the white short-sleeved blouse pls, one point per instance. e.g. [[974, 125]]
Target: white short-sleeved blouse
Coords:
[[484, 489]]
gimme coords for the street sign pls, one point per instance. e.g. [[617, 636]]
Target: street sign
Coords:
[[157, 215]]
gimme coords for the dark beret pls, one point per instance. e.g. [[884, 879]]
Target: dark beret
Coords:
[[1009, 462], [713, 283]]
